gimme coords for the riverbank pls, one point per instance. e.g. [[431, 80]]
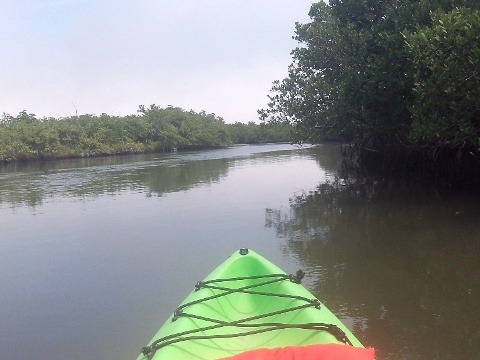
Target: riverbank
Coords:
[[152, 130]]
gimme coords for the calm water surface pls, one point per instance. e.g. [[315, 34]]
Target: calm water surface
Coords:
[[96, 253]]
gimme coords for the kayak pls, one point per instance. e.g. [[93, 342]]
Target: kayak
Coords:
[[248, 308]]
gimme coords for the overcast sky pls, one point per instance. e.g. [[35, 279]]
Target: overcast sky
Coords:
[[109, 56]]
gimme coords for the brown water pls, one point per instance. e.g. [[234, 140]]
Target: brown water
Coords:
[[96, 253]]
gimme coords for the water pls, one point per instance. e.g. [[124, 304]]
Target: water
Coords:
[[96, 253]]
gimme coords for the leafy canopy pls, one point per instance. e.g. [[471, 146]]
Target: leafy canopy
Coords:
[[390, 74]]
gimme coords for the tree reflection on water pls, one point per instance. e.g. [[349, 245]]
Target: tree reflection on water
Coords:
[[397, 260]]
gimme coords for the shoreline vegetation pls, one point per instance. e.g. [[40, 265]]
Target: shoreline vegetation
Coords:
[[152, 130], [399, 81]]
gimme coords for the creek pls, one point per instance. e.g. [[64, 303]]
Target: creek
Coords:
[[96, 253]]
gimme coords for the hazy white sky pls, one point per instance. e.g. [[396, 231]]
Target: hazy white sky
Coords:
[[110, 56]]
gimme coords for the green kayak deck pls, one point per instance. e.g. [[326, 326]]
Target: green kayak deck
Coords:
[[245, 303]]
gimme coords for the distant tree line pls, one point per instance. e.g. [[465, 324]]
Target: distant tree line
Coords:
[[398, 79], [253, 133], [152, 129]]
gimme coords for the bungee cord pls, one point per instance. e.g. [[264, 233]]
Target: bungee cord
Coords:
[[247, 322]]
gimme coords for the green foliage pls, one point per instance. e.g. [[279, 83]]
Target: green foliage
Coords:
[[348, 78], [252, 133], [153, 129], [446, 56], [25, 137], [385, 75], [305, 96]]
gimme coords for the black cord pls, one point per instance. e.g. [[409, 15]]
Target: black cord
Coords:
[[243, 323]]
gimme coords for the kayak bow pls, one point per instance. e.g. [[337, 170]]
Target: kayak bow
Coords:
[[247, 303]]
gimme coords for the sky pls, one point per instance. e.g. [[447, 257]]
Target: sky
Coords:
[[110, 56]]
